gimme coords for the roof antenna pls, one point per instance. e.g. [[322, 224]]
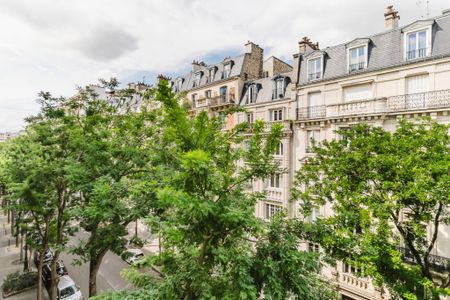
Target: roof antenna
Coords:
[[427, 3]]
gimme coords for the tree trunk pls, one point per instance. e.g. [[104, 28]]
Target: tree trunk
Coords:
[[41, 259], [21, 248], [94, 266], [55, 277]]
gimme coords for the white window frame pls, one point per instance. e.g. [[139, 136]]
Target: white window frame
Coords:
[[416, 30], [275, 114], [321, 67], [276, 92], [249, 117], [280, 149], [275, 181], [197, 79], [252, 94], [313, 247], [226, 70], [366, 56], [309, 141], [271, 209]]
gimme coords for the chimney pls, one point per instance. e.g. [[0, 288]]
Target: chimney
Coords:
[[196, 65], [162, 77], [391, 18], [306, 44], [256, 60]]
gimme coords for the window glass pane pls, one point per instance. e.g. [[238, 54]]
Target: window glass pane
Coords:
[[411, 42], [422, 40]]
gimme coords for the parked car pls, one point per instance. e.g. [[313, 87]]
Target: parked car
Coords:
[[68, 290], [48, 256], [61, 270], [132, 255]]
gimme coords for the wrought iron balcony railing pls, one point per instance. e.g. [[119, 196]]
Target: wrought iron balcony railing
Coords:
[[311, 112], [357, 66], [314, 76], [433, 99], [416, 53], [437, 263], [222, 100]]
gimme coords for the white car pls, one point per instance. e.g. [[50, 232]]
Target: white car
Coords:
[[68, 290], [132, 255]]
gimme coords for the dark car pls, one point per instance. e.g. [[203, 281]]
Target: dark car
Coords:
[[48, 255], [61, 270]]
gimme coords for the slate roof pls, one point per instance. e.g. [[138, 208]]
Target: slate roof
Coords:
[[188, 79], [385, 50], [265, 90]]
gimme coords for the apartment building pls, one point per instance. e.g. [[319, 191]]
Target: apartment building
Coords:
[[402, 72], [214, 88], [269, 99]]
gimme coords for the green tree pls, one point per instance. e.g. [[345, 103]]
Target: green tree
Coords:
[[105, 171], [386, 190], [213, 245]]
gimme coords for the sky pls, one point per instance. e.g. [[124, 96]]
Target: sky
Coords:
[[57, 45]]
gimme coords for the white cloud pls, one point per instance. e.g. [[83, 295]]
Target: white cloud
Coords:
[[55, 45]]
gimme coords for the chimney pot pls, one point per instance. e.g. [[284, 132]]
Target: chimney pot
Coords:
[[391, 18]]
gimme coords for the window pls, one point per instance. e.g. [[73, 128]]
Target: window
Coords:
[[208, 94], [357, 58], [276, 115], [279, 150], [275, 181], [358, 92], [315, 110], [211, 73], [315, 213], [271, 210], [252, 93], [223, 91], [312, 247], [315, 68], [278, 89], [312, 138], [194, 97], [415, 89], [178, 85], [197, 78], [250, 118], [226, 71], [416, 44]]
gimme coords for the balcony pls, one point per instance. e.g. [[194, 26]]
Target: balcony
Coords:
[[369, 106], [311, 112], [437, 263], [409, 102], [221, 101], [433, 99], [416, 53], [357, 66], [356, 285], [314, 76]]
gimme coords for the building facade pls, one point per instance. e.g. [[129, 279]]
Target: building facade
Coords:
[[403, 72]]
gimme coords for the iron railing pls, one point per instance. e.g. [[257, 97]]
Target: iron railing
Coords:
[[416, 53], [311, 112], [434, 99], [314, 76], [357, 66], [437, 263], [221, 100]]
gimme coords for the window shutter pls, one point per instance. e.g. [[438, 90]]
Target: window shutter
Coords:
[[358, 92]]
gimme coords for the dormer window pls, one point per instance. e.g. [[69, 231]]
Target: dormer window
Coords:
[[211, 74], [357, 58], [279, 88], [417, 39], [252, 93], [315, 68], [178, 85], [226, 71], [197, 78], [416, 45]]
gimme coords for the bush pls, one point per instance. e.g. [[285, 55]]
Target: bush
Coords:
[[18, 281], [138, 242]]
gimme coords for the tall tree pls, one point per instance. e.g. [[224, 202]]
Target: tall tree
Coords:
[[387, 190], [105, 170], [210, 232]]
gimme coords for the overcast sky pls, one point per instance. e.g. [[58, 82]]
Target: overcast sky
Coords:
[[56, 45]]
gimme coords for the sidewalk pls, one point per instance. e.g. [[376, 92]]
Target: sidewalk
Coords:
[[9, 260]]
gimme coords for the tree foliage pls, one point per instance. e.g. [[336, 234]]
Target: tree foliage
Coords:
[[386, 191]]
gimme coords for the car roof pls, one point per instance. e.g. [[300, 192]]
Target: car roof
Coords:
[[65, 281], [135, 251]]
